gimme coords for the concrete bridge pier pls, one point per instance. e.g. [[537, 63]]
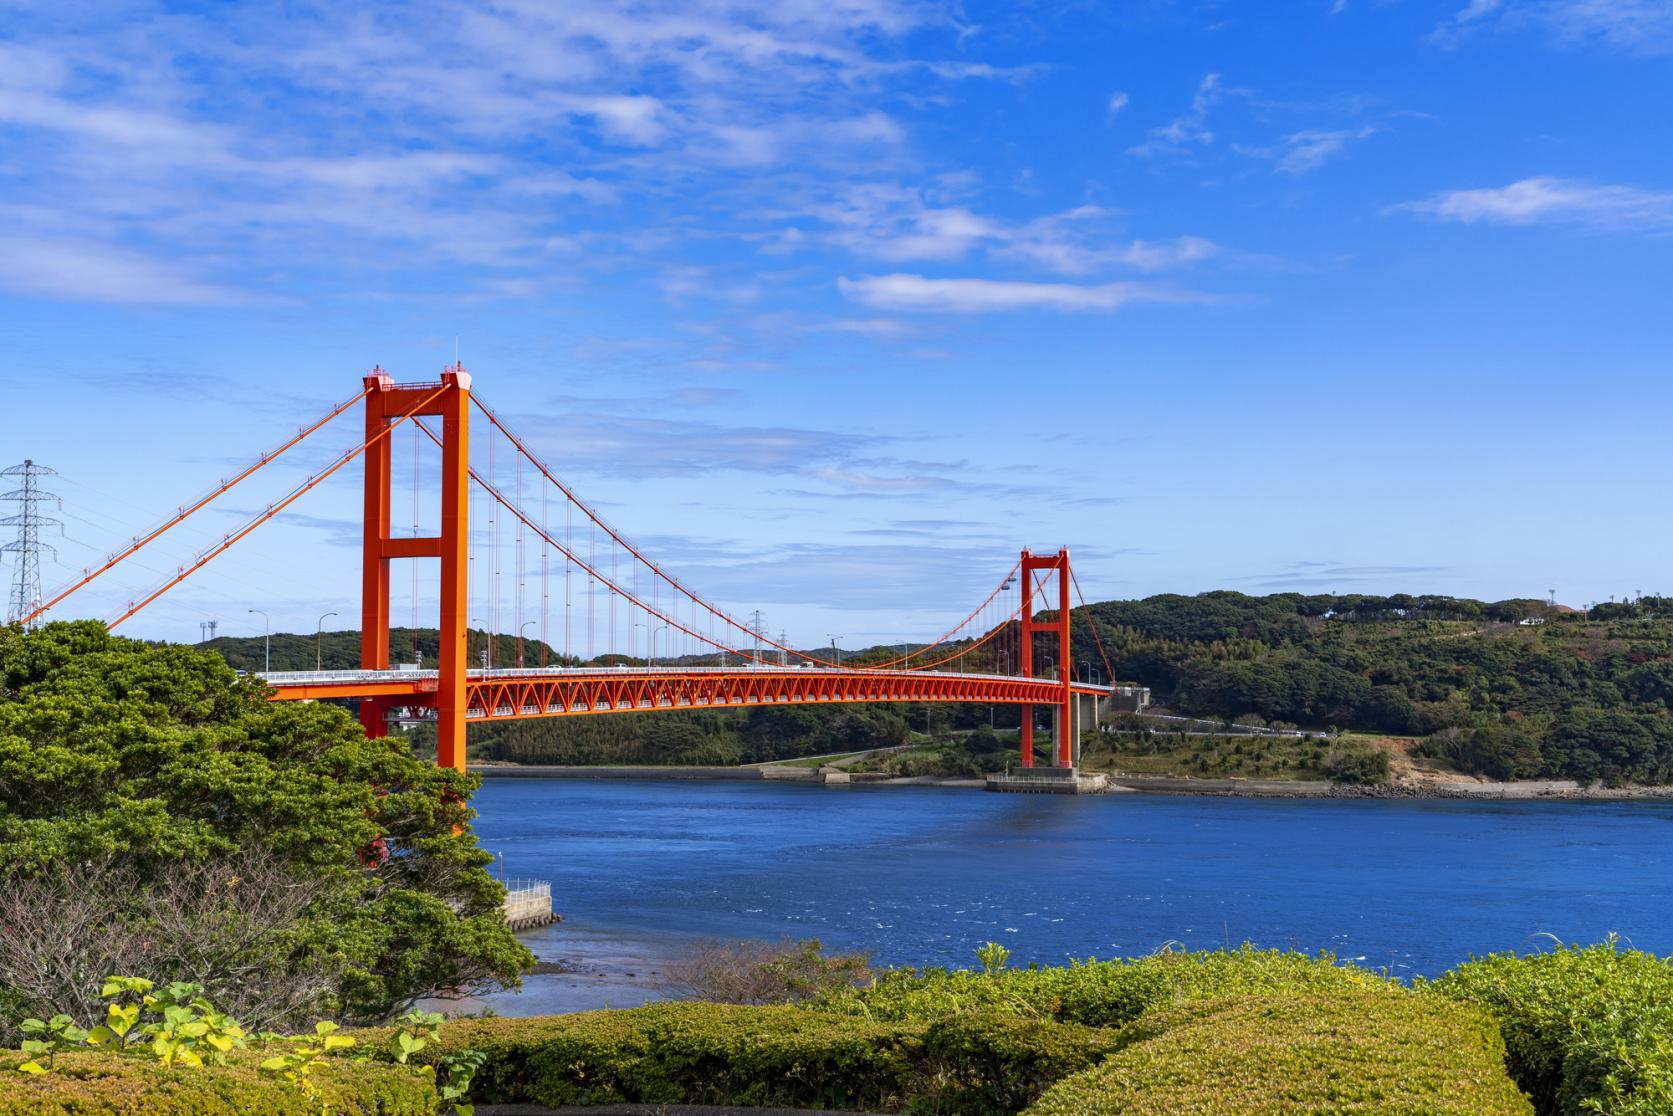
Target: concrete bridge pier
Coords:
[[1083, 716]]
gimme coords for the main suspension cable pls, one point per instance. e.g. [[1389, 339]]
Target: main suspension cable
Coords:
[[227, 541], [718, 613], [183, 513]]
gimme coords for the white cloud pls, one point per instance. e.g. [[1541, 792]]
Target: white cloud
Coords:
[[41, 267], [900, 225], [1639, 26], [1308, 150], [977, 296], [1118, 101], [1190, 129], [1551, 200], [258, 145], [883, 328]]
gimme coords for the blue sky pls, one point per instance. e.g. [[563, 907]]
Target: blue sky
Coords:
[[837, 305]]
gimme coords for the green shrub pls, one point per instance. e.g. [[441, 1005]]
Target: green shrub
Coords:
[[694, 1053], [1097, 993], [88, 1082], [985, 1063], [1586, 1029], [1357, 763], [1367, 1053]]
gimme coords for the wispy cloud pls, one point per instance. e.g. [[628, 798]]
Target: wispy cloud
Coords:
[[1306, 151], [1190, 129], [1328, 575], [1542, 200], [76, 268], [900, 225], [173, 161], [1636, 26], [977, 296], [640, 446]]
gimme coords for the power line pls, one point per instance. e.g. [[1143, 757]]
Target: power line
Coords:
[[26, 585]]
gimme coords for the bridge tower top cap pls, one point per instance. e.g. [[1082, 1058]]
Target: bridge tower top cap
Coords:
[[378, 380], [454, 375]]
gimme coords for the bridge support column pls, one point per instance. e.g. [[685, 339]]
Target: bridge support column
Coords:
[[386, 402], [1025, 659], [1059, 626]]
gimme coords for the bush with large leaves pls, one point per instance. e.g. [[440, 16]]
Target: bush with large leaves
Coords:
[[154, 804]]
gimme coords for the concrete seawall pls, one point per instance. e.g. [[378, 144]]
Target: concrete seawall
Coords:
[[497, 771]]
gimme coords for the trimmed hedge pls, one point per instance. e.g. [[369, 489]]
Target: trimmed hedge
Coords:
[[84, 1083], [697, 1053], [1587, 1029], [1099, 993], [1386, 1053]]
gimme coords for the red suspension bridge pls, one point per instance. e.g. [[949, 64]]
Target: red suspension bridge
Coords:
[[579, 558]]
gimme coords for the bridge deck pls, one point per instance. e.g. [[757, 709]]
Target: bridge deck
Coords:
[[514, 693]]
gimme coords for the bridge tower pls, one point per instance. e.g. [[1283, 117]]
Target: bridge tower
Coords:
[[387, 402], [1066, 721]]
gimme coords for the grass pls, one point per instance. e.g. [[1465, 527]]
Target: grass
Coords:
[[819, 761], [1205, 757]]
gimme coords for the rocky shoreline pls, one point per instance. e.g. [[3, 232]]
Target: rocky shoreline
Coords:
[[1428, 788]]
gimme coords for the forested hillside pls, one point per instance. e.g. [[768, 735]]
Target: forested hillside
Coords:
[[1562, 696], [1566, 695]]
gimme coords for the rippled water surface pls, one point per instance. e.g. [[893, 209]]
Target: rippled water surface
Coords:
[[922, 876]]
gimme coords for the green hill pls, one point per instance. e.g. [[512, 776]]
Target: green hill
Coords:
[[1509, 689], [1514, 689]]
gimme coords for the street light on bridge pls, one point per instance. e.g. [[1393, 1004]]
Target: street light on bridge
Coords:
[[319, 634], [525, 624]]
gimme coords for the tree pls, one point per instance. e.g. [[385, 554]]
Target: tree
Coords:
[[150, 760]]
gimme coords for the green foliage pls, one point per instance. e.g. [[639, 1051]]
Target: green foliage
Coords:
[[1571, 698], [90, 1082], [1587, 1029], [992, 956], [1097, 993], [987, 1062], [455, 1074], [176, 1024], [982, 1064], [693, 1053], [1357, 763], [154, 756], [48, 1036], [1367, 1053], [305, 1054], [413, 1032], [183, 1027]]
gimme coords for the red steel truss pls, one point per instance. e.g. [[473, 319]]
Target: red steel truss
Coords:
[[508, 695]]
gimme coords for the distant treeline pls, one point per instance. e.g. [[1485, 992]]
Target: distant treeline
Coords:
[[1562, 696], [1565, 695]]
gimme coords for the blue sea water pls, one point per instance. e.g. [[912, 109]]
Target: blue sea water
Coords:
[[922, 876]]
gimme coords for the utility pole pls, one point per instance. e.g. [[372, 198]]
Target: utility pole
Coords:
[[755, 634], [26, 584], [836, 652], [783, 645]]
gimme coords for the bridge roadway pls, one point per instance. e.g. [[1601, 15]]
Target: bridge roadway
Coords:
[[522, 692]]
